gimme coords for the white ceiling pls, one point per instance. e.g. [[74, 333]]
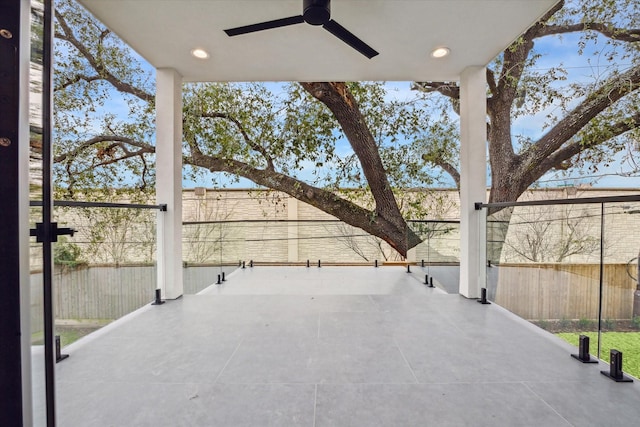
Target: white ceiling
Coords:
[[403, 31]]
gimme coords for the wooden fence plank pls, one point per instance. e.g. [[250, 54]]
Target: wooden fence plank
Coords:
[[549, 291]]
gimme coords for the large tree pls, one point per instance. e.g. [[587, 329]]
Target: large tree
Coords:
[[269, 137], [272, 138], [587, 122]]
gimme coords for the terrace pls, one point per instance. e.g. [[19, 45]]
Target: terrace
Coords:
[[330, 345], [301, 346], [361, 345]]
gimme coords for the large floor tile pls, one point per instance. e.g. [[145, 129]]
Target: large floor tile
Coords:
[[602, 403], [442, 405], [282, 360], [188, 405], [359, 346]]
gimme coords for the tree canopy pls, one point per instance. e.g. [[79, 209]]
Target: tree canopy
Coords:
[[275, 137], [585, 123]]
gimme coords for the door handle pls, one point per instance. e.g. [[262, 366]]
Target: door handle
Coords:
[[40, 233]]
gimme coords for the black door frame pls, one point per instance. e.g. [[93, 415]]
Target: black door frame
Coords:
[[15, 374], [11, 404], [48, 233]]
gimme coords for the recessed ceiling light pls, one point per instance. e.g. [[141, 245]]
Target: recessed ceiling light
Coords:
[[440, 52], [200, 53]]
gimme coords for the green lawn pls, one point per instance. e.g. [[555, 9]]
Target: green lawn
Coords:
[[67, 334], [626, 342], [66, 337]]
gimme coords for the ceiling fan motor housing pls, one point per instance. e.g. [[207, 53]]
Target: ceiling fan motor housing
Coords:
[[316, 12]]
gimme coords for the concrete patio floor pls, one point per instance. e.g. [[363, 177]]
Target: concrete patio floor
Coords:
[[332, 346]]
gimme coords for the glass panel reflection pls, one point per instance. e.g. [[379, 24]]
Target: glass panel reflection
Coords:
[[573, 270], [544, 264], [35, 215]]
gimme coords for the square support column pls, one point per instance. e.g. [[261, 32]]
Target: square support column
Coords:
[[473, 178], [169, 181]]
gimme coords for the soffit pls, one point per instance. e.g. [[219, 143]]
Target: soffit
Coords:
[[404, 32]]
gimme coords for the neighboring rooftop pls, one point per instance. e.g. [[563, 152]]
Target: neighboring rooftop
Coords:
[[359, 346]]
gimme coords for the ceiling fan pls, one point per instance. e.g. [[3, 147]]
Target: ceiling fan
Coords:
[[314, 12]]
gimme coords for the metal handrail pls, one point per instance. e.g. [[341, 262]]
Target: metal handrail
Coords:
[[77, 204], [574, 201]]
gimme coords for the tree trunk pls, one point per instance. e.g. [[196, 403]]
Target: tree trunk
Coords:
[[337, 97]]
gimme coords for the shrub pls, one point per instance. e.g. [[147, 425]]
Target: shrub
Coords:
[[544, 324], [609, 324], [564, 323], [584, 324], [67, 254]]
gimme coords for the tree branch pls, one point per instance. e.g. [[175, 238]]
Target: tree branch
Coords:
[[451, 170], [515, 56], [337, 97], [76, 79], [254, 146], [324, 200], [556, 159], [610, 92], [97, 63], [621, 34], [449, 89], [144, 147], [115, 159]]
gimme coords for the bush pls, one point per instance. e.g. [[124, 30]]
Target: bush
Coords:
[[67, 254], [584, 324], [609, 324], [542, 323]]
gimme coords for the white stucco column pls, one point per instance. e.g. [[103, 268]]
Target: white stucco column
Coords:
[[169, 181], [473, 178]]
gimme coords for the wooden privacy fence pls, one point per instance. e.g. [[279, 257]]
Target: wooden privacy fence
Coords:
[[533, 291], [107, 292], [551, 291], [103, 292]]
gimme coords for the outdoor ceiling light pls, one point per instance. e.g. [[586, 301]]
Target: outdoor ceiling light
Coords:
[[200, 53], [440, 52]]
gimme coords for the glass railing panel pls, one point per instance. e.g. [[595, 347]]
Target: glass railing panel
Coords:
[[340, 243], [36, 284], [105, 270], [620, 322], [544, 264], [36, 314], [437, 257], [213, 247], [440, 241], [209, 249], [228, 243]]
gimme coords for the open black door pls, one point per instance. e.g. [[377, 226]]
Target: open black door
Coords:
[[11, 376], [26, 317]]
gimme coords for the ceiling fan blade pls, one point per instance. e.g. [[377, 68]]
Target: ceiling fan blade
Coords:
[[292, 20], [346, 36]]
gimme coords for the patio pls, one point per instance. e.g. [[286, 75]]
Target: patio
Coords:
[[357, 346]]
